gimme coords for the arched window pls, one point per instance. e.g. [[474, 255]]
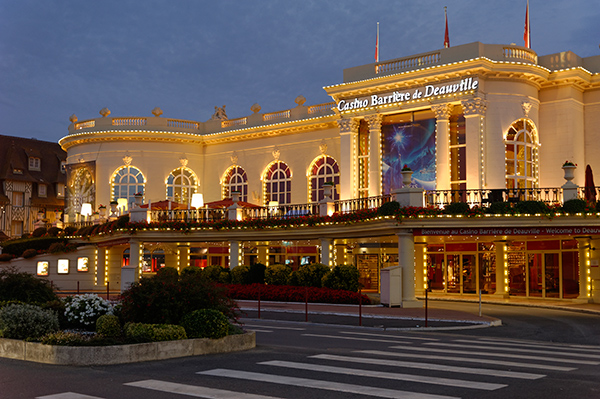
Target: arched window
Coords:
[[181, 184], [235, 179], [323, 169], [126, 182], [277, 183], [522, 155]]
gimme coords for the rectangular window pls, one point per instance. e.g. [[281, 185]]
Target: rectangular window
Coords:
[[60, 190], [42, 190], [18, 198], [63, 266], [82, 264], [42, 268], [34, 163]]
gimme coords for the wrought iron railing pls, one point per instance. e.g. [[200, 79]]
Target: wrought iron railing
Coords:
[[485, 197]]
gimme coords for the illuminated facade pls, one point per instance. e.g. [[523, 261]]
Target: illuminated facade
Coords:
[[491, 121]]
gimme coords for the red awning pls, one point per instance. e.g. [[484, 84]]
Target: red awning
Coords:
[[162, 205], [227, 202]]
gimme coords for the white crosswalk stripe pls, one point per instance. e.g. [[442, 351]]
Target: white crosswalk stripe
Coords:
[[275, 327], [431, 366], [470, 360], [388, 336], [387, 375], [67, 395], [512, 344], [542, 352], [355, 338], [369, 391], [496, 354], [195, 391]]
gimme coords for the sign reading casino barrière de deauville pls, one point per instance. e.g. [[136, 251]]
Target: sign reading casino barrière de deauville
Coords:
[[418, 93]]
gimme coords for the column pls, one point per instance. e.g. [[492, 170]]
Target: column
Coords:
[[501, 269], [99, 266], [585, 279], [326, 249], [183, 256], [340, 254], [442, 145], [129, 273], [406, 260], [234, 254], [474, 111], [263, 252], [375, 176], [420, 268], [348, 157]]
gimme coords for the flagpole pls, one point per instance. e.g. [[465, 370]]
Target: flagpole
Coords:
[[527, 33], [446, 34], [377, 45]]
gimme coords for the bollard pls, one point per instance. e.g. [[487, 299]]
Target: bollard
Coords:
[[306, 304], [259, 301], [107, 290], [426, 307], [360, 307], [78, 288]]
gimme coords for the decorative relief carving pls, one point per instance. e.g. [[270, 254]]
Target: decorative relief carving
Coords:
[[323, 147], [526, 108], [475, 106], [183, 161], [219, 114], [234, 158], [348, 125], [442, 111], [127, 159], [374, 121], [276, 153]]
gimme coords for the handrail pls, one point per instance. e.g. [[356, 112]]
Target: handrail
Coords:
[[408, 63], [482, 197]]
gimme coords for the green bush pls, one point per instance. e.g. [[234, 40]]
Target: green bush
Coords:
[[167, 274], [108, 325], [389, 208], [141, 332], [29, 253], [531, 207], [576, 205], [17, 247], [24, 287], [6, 257], [40, 231], [152, 300], [500, 208], [190, 270], [277, 274], [456, 208], [217, 274], [205, 323], [70, 230], [240, 274], [23, 321], [342, 277], [65, 338], [82, 311], [54, 231], [256, 274], [310, 275], [58, 307]]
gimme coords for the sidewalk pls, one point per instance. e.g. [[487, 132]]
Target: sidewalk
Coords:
[[438, 317]]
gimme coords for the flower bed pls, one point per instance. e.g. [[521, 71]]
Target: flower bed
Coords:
[[287, 293]]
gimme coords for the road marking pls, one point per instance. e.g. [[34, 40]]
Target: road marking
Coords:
[[470, 360], [535, 344], [274, 327], [552, 353], [391, 376], [196, 391], [388, 336], [68, 395], [355, 338], [430, 366], [320, 384], [262, 331], [494, 354]]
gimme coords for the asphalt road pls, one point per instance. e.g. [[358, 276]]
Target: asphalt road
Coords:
[[305, 360]]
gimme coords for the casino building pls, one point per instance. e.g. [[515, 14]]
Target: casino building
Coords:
[[476, 123]]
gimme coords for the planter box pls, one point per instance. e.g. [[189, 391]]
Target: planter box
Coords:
[[118, 354]]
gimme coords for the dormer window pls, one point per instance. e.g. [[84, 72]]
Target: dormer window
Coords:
[[17, 171], [35, 163], [60, 190], [63, 167], [42, 190]]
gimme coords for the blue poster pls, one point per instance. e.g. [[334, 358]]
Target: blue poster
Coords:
[[411, 144]]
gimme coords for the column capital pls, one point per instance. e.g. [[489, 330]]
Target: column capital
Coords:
[[374, 121], [442, 111], [474, 106], [348, 125]]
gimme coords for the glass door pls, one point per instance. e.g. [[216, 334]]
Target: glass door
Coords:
[[462, 273]]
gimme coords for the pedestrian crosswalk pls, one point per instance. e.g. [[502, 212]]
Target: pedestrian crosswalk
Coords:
[[411, 366]]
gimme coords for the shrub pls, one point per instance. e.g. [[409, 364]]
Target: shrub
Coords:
[[108, 325], [500, 208], [256, 274], [23, 321], [190, 270], [24, 287], [240, 275], [576, 205], [311, 275], [6, 257], [277, 274], [141, 332], [389, 208], [29, 253], [154, 301], [342, 277], [65, 338], [205, 323], [122, 222], [58, 307], [456, 208], [40, 231], [17, 247], [53, 231], [217, 274], [289, 293], [167, 274], [82, 311], [69, 230], [57, 248], [531, 207]]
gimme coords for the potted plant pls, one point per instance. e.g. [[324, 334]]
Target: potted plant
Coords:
[[406, 175], [569, 169], [102, 210]]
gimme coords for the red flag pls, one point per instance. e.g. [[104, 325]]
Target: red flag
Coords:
[[446, 36], [377, 45], [527, 32]]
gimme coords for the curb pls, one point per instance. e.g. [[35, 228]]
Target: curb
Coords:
[[120, 354]]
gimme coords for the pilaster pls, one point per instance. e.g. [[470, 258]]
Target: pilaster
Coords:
[[474, 112], [348, 157], [442, 145], [375, 175]]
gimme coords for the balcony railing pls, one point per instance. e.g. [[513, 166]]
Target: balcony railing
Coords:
[[486, 197]]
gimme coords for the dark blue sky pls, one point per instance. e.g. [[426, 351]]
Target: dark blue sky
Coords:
[[59, 58]]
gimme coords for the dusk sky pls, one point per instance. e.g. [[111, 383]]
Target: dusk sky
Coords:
[[59, 58]]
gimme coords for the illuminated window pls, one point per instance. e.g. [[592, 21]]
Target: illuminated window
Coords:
[[278, 183], [83, 264], [126, 182], [323, 169], [63, 266], [235, 179], [42, 268], [522, 155], [181, 184]]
